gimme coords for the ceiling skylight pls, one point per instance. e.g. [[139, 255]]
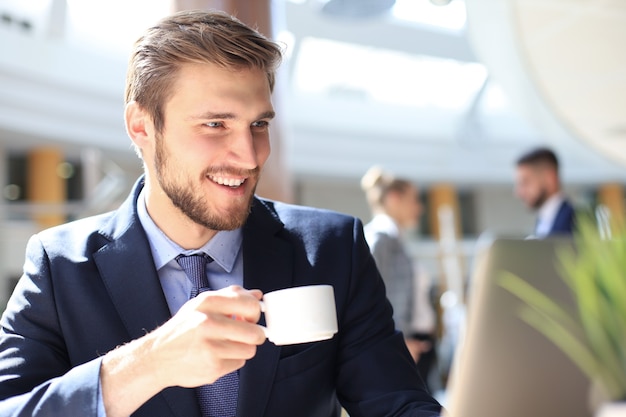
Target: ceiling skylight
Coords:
[[326, 67], [451, 16]]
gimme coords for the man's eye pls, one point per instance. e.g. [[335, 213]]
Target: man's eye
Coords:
[[213, 124], [261, 123]]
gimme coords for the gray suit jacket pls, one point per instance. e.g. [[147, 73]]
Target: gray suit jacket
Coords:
[[396, 269]]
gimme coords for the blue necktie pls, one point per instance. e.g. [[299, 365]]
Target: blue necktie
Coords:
[[218, 399]]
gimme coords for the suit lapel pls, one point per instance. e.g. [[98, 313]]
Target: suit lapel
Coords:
[[560, 220], [128, 272], [267, 266]]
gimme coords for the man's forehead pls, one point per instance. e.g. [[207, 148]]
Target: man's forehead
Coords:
[[535, 167]]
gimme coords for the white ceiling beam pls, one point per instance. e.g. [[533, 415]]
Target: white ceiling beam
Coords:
[[384, 33]]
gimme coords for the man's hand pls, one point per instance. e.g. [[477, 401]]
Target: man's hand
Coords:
[[212, 335], [204, 341]]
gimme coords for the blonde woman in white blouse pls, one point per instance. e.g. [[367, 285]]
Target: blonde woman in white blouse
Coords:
[[396, 208]]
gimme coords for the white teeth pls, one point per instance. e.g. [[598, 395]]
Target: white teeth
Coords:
[[230, 182]]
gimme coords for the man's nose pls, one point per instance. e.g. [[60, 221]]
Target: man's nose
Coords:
[[243, 152]]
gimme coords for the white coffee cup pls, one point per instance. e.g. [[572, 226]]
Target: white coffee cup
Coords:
[[300, 314]]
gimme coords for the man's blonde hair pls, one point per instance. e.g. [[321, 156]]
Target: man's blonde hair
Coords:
[[193, 37]]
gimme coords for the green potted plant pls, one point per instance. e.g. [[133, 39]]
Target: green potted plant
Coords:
[[594, 335]]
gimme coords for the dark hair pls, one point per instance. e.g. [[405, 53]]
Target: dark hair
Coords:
[[193, 37], [540, 157]]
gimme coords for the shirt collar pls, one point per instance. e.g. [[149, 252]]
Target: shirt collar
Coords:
[[384, 222], [223, 247], [550, 207]]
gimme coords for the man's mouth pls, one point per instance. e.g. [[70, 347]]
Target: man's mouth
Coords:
[[228, 182]]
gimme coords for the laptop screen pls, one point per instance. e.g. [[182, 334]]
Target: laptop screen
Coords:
[[504, 367]]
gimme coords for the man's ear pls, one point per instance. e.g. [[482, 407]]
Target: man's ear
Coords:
[[557, 181], [138, 124]]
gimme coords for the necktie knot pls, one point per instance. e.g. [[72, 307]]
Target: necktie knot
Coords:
[[195, 269]]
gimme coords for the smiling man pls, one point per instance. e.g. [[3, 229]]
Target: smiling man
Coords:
[[203, 166], [154, 309]]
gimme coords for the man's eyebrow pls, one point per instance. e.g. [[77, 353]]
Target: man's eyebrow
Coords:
[[267, 115], [211, 115], [270, 114]]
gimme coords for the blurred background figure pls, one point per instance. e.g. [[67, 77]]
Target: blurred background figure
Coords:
[[396, 210], [538, 185]]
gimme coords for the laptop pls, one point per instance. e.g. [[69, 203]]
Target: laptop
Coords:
[[504, 367]]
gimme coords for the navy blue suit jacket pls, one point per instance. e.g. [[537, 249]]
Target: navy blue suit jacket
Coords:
[[564, 222], [91, 285]]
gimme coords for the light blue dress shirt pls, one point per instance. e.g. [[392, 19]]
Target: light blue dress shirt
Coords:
[[226, 268], [225, 249]]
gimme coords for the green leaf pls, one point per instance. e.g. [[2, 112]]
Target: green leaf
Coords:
[[594, 335]]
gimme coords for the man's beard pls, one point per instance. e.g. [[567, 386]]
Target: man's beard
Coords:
[[541, 198], [194, 204]]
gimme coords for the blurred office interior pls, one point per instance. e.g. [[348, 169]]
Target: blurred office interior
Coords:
[[447, 93]]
